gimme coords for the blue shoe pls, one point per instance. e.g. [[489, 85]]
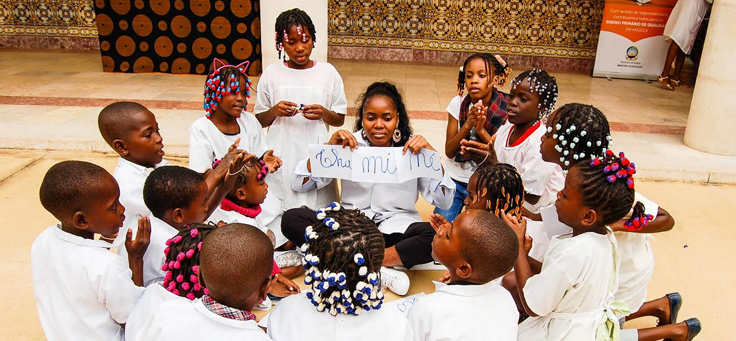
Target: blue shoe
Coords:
[[693, 328], [675, 303]]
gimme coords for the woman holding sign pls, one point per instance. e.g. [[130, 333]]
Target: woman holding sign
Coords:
[[383, 122]]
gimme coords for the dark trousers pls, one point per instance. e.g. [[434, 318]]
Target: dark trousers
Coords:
[[413, 246]]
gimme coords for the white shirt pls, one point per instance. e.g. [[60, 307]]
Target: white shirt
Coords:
[[81, 289], [392, 206], [153, 296], [184, 320], [131, 177], [207, 143], [154, 257], [291, 136], [540, 178], [459, 171], [572, 291], [465, 312], [296, 318], [637, 261]]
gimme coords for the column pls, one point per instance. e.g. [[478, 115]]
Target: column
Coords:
[[270, 9], [711, 125]]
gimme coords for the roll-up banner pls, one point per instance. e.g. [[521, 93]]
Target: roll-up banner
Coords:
[[631, 44]]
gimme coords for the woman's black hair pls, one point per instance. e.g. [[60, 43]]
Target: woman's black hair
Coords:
[[287, 19], [389, 90]]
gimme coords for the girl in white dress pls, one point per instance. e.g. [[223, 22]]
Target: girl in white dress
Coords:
[[682, 28], [344, 252], [298, 100]]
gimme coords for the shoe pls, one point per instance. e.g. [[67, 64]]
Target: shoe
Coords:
[[666, 82], [394, 280], [693, 329], [675, 301]]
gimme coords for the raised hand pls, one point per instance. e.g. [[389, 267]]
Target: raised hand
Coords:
[[272, 161], [343, 138], [438, 222], [137, 247]]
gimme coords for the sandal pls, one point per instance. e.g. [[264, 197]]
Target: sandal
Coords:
[[666, 82], [678, 83], [675, 302]]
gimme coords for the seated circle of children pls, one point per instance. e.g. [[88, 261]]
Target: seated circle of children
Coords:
[[476, 248], [235, 266], [298, 100], [181, 281], [344, 252], [532, 97], [475, 116], [81, 288]]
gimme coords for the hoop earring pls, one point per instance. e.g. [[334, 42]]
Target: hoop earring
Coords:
[[397, 135]]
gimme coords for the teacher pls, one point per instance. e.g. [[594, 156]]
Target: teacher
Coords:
[[382, 122]]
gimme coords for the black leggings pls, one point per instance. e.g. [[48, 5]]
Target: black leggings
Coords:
[[413, 246]]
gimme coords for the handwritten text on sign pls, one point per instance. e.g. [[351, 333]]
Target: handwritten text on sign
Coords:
[[373, 164]]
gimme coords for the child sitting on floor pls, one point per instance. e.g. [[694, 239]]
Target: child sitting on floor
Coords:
[[235, 265], [344, 252], [476, 248], [81, 288], [182, 268], [532, 97]]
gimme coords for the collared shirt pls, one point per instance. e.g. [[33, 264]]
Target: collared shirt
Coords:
[[225, 311]]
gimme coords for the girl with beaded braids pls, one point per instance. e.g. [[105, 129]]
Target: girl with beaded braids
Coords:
[[383, 122], [344, 252], [298, 100], [476, 116]]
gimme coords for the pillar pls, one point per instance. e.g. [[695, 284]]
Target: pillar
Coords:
[[711, 124], [270, 9]]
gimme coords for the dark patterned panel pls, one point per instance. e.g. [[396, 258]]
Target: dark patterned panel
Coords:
[[565, 28], [57, 18], [178, 36]]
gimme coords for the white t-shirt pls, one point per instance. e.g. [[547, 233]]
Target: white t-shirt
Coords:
[[465, 312], [391, 205], [637, 261], [296, 318], [572, 292], [152, 298], [291, 136], [540, 178], [81, 289], [131, 177], [459, 171], [154, 257]]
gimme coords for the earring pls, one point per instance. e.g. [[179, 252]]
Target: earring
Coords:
[[397, 135]]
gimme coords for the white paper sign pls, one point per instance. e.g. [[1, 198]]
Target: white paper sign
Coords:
[[374, 164]]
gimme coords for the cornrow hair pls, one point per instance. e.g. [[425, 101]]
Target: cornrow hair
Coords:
[[251, 165], [225, 80], [284, 22], [182, 261], [581, 131], [607, 186], [344, 252], [389, 90], [500, 185], [544, 85], [495, 65]]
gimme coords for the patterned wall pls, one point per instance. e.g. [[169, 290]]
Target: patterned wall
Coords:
[[36, 20], [549, 28]]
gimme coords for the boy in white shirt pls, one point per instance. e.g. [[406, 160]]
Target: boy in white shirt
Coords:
[[80, 288], [476, 248], [235, 264]]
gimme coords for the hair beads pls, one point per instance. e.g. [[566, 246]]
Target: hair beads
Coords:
[[293, 18], [544, 85], [343, 262], [581, 131], [224, 80], [182, 261]]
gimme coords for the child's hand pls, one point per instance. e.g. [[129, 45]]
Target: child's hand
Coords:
[[314, 112], [282, 286], [445, 277], [286, 108], [343, 138], [236, 166], [513, 223], [480, 122], [234, 146], [477, 115], [221, 223], [415, 144], [479, 152], [438, 222], [137, 248], [528, 242], [618, 226], [272, 161]]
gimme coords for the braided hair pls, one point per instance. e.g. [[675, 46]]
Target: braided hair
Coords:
[[284, 22], [607, 186], [389, 90], [544, 85], [582, 133], [225, 80], [182, 261], [494, 64], [501, 186], [344, 252]]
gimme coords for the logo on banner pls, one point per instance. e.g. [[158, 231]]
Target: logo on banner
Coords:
[[632, 53]]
